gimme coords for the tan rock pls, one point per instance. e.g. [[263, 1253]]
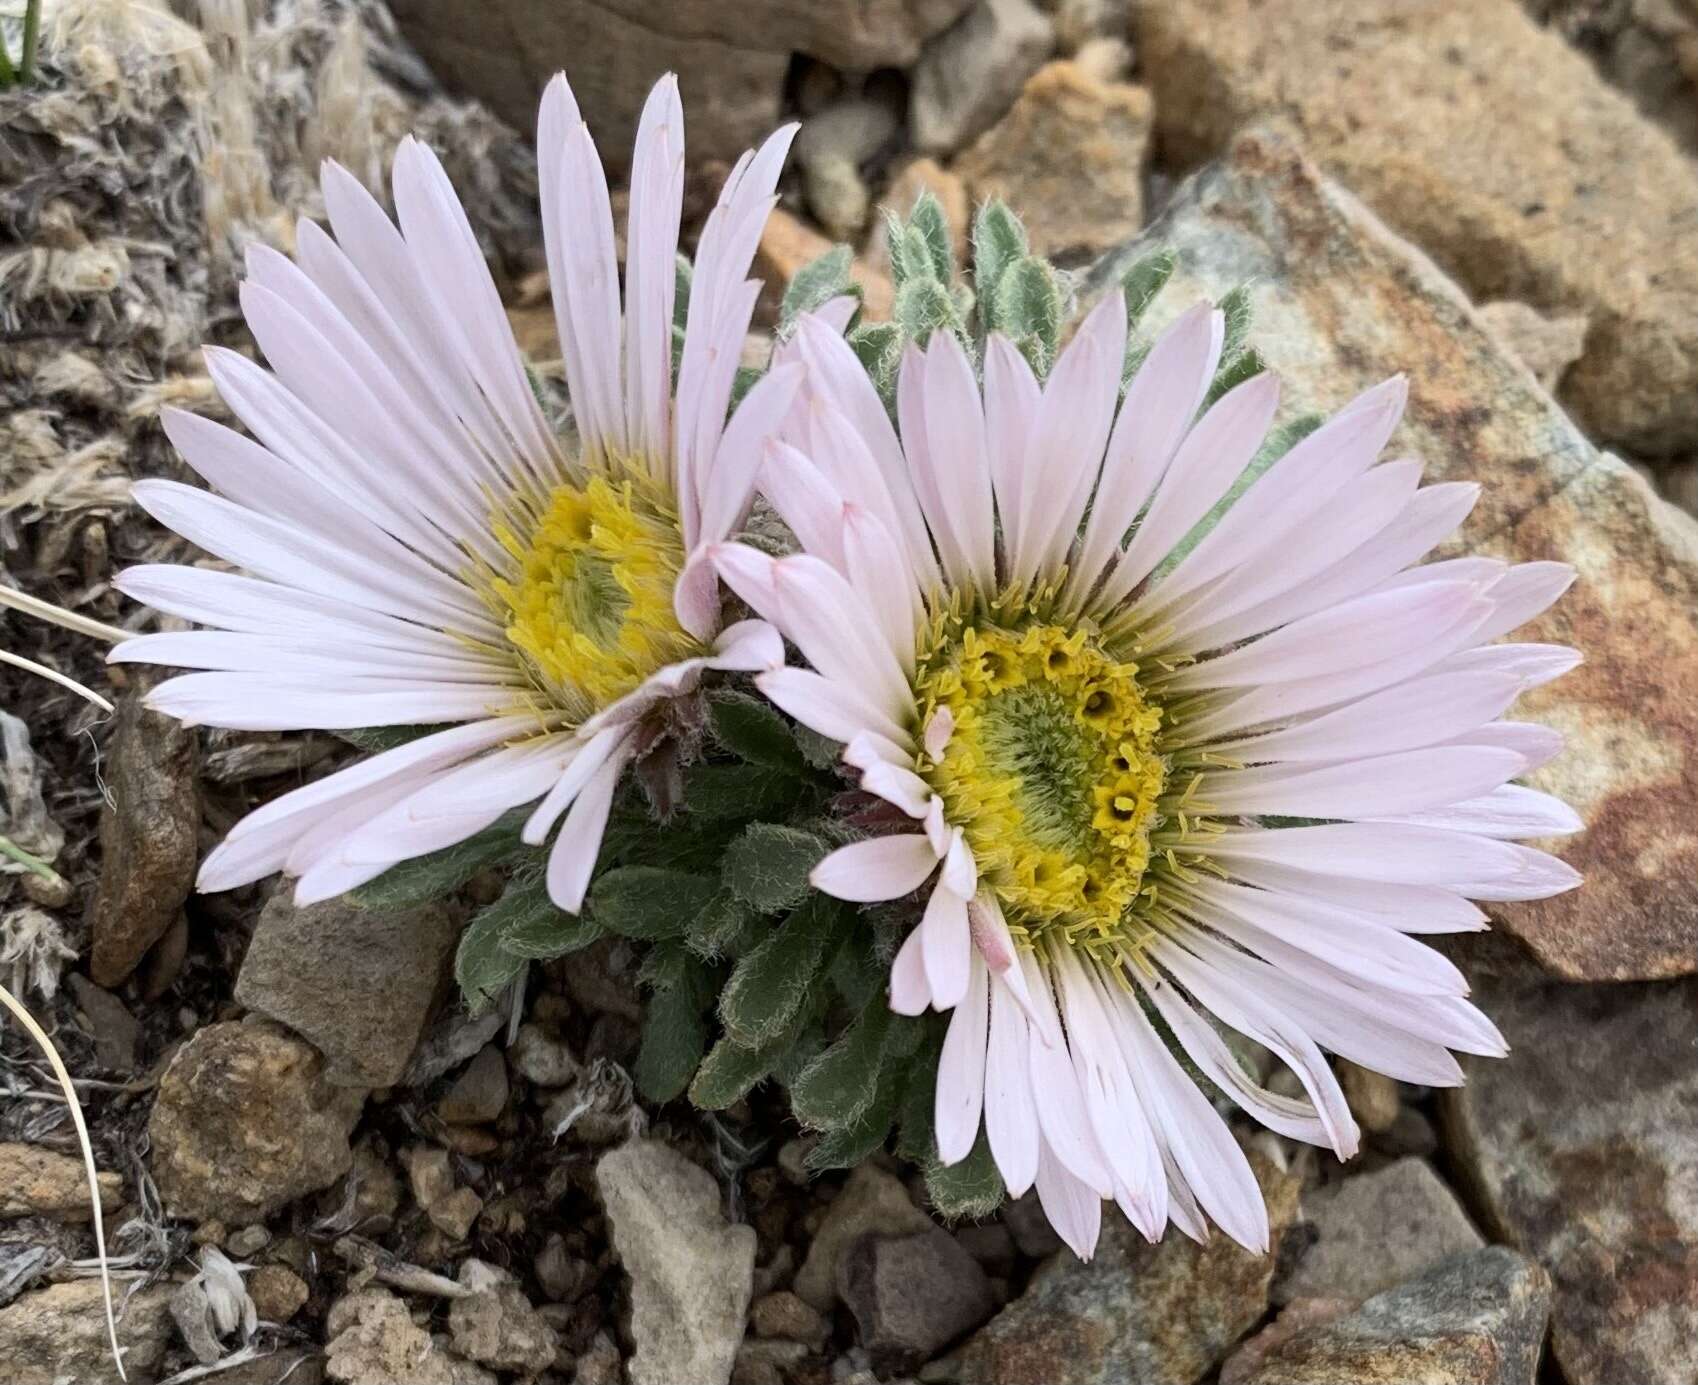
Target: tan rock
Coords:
[[1547, 346], [58, 1334], [1490, 143], [788, 243], [277, 1291], [245, 1122], [1373, 1096], [36, 1182], [1297, 1316], [1068, 158], [374, 1341], [1342, 302], [872, 1202]]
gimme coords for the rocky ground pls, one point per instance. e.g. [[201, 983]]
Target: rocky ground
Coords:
[[318, 1167]]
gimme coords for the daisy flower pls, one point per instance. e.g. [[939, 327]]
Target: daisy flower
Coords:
[[1153, 789], [416, 546]]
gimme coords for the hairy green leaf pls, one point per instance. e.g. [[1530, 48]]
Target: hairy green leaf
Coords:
[[767, 987], [815, 284], [768, 865], [1238, 311], [750, 728], [650, 902], [1143, 282], [1029, 309], [924, 306], [999, 240], [424, 878], [482, 966], [837, 1087], [848, 1145], [533, 926], [928, 219], [973, 1188], [1246, 365], [716, 792]]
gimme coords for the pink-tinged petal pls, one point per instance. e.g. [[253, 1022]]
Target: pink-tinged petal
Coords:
[[1509, 811], [938, 732], [1412, 781], [589, 757], [913, 404], [1074, 1208], [838, 711], [1537, 745], [730, 482], [946, 947], [1536, 875], [750, 573], [273, 702], [1012, 397], [996, 945], [879, 868], [1213, 455], [891, 782], [292, 656], [1055, 1086], [1011, 1115], [960, 870], [830, 622], [1523, 592], [572, 858], [1394, 854], [938, 831], [1422, 712], [1407, 908], [873, 563], [806, 501], [749, 646], [956, 447], [651, 240], [909, 992], [1160, 404], [695, 595], [1532, 664], [961, 1071]]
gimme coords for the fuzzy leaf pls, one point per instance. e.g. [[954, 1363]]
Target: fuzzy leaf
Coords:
[[924, 306], [1143, 282], [767, 987], [916, 1137], [375, 739], [532, 926], [650, 902], [717, 792], [482, 966], [751, 729], [998, 241], [848, 1145], [730, 1071], [928, 219], [878, 347], [815, 284], [722, 928], [768, 865], [1029, 309], [410, 883], [1246, 365], [971, 1189], [683, 273], [820, 752], [837, 1087], [1236, 308], [675, 1030]]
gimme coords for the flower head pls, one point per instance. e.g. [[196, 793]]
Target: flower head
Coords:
[[1155, 784], [418, 548]]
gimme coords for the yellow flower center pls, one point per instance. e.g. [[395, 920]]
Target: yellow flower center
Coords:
[[1052, 770], [590, 607]]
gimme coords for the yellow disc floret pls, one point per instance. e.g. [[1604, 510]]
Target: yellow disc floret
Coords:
[[1052, 770], [589, 606]]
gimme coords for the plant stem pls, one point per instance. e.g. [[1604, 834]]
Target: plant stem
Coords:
[[10, 848], [32, 36]]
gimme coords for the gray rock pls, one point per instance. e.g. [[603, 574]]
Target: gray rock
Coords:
[[1033, 1236], [356, 982], [830, 149], [149, 838], [58, 1334], [872, 1201], [1375, 1230], [1340, 303], [970, 74], [117, 1033], [912, 1295], [372, 1340], [692, 1273], [1580, 1147], [1473, 1319], [479, 1093], [539, 1057], [1156, 1314], [497, 1325], [246, 1122]]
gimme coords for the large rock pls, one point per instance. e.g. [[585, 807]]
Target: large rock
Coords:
[[1069, 159], [37, 1182], [1374, 1230], [148, 841], [872, 1202], [913, 1295], [1156, 1314], [373, 1340], [692, 1273], [245, 1122], [1569, 201], [1580, 1145], [731, 60], [970, 74], [1340, 303], [1477, 1318], [58, 1334], [357, 982]]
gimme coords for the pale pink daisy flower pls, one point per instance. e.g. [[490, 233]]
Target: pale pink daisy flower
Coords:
[[1155, 791], [418, 547]]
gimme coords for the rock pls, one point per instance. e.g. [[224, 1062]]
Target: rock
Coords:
[[1297, 1316], [917, 176], [1068, 159], [788, 243], [148, 838], [872, 1201], [1079, 22], [600, 1363], [36, 1182], [1375, 1230], [356, 982], [117, 1033], [497, 1325], [479, 1093], [1547, 346], [1340, 303], [373, 1341], [247, 1241], [539, 1057], [58, 1334], [1473, 1319], [451, 1209], [1679, 484], [562, 1277], [691, 1272], [278, 1293], [1373, 1097], [912, 1295], [1579, 1147], [1027, 1223], [1150, 1313], [246, 1122], [1648, 49], [767, 1362], [969, 74], [830, 149], [731, 61], [1574, 203], [787, 1315]]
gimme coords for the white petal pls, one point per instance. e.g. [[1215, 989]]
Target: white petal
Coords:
[[879, 868], [961, 1072]]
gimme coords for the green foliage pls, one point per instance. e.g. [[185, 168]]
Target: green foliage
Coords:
[[924, 306], [999, 240], [878, 347], [815, 284], [770, 983], [1143, 282], [482, 967], [675, 1031], [973, 1188], [768, 865], [375, 739], [739, 792], [650, 902], [1029, 308], [1246, 365], [848, 1145], [928, 222], [837, 1087], [749, 727], [424, 878]]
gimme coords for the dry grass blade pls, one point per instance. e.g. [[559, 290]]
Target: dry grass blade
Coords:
[[53, 676], [37, 1033], [58, 615]]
